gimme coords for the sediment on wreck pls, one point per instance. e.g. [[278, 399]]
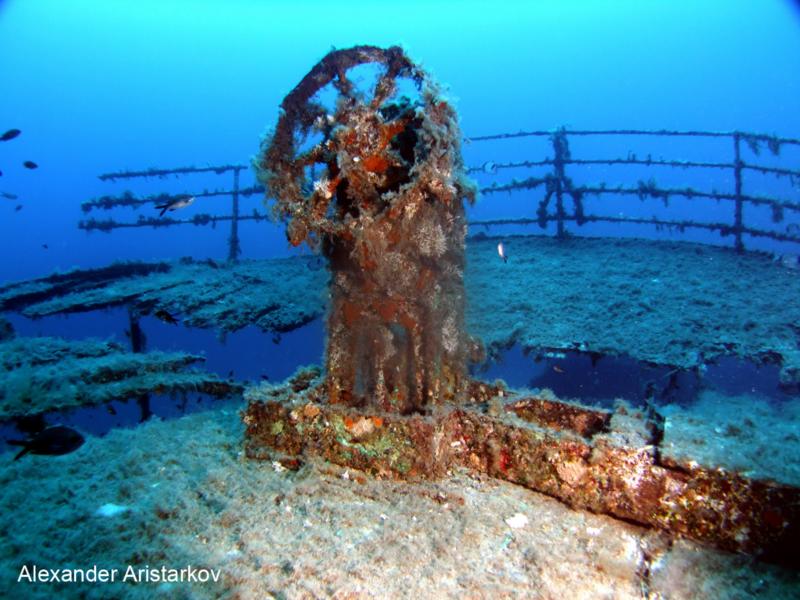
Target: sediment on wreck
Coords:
[[381, 196]]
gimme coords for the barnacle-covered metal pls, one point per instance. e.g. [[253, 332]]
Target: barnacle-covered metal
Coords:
[[377, 185]]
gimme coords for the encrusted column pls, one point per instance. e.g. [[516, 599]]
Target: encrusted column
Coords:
[[377, 185]]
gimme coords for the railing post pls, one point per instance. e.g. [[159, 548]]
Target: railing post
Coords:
[[234, 249], [136, 336], [560, 153], [737, 170]]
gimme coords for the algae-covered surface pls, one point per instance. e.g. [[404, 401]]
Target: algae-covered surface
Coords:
[[39, 374], [184, 495], [668, 303], [275, 295], [744, 434]]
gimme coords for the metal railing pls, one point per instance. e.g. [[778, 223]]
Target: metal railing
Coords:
[[558, 187], [130, 200], [561, 202]]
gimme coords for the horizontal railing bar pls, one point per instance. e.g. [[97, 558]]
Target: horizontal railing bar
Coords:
[[775, 170], [643, 132], [108, 225], [165, 172], [610, 161], [727, 229], [636, 161], [109, 202], [690, 193], [593, 218], [167, 222], [649, 192]]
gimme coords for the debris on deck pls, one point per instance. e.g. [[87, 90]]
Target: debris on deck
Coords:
[[39, 374], [664, 303], [607, 462]]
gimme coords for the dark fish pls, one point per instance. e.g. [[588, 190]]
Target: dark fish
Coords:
[[53, 441], [9, 135], [111, 410], [31, 424], [163, 315], [18, 208], [1, 173], [9, 196], [45, 246], [315, 263], [29, 164]]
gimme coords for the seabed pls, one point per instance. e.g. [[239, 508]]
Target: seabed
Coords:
[[296, 527], [326, 531]]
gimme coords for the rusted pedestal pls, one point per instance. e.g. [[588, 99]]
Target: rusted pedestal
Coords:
[[380, 194]]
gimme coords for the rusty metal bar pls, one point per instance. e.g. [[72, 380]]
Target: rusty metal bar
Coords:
[[737, 173], [603, 461], [655, 132], [201, 219], [558, 184], [560, 154], [234, 248], [166, 172]]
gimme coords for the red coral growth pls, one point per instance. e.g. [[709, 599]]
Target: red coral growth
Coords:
[[375, 164]]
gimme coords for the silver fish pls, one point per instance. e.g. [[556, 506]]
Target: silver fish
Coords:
[[175, 204], [501, 250]]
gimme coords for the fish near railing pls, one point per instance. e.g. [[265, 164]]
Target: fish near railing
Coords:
[[169, 202], [562, 201]]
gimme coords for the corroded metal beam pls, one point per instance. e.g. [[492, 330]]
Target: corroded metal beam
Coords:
[[602, 461]]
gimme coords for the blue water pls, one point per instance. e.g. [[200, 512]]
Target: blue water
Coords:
[[104, 86]]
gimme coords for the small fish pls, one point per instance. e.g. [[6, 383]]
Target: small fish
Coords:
[[8, 196], [790, 261], [558, 369], [9, 135], [45, 246], [163, 315], [29, 164], [1, 173], [53, 441], [315, 263], [18, 208], [501, 251], [175, 204], [111, 410], [489, 167]]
